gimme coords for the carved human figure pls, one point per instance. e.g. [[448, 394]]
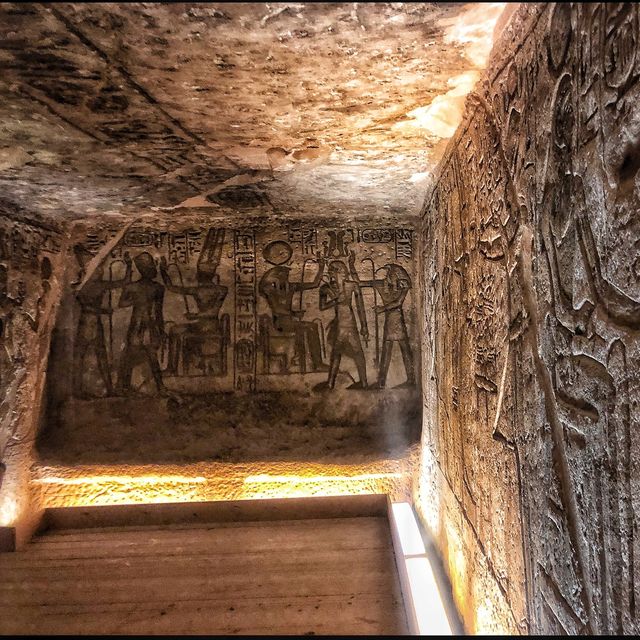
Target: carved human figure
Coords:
[[339, 294], [209, 296], [278, 290], [8, 305], [393, 290], [45, 274], [146, 326], [90, 330]]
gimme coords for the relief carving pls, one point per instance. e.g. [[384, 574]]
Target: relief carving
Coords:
[[298, 322], [547, 196], [29, 255]]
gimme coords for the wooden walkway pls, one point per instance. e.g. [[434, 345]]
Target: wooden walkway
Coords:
[[304, 576]]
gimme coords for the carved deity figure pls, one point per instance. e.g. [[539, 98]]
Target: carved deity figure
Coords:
[[393, 290], [339, 294], [209, 296], [146, 326], [278, 290], [90, 330]]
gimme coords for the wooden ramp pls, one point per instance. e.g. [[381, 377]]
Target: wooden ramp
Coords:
[[252, 567]]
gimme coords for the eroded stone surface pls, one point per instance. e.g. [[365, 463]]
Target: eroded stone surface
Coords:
[[531, 318], [31, 268], [86, 485], [107, 108]]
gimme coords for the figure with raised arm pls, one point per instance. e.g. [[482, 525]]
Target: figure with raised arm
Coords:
[[339, 294], [90, 330], [392, 289], [278, 290]]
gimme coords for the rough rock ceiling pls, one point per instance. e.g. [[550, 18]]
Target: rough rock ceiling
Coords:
[[285, 107]]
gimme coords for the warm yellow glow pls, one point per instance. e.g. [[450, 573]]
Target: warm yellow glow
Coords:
[[123, 489], [488, 619], [475, 593], [266, 478], [300, 486], [429, 492], [14, 496], [473, 29], [201, 482], [120, 479], [442, 117], [457, 565], [8, 512], [441, 522]]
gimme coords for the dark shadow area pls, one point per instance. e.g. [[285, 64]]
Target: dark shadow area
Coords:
[[227, 427]]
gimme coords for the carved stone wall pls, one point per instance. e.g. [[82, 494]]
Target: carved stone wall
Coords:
[[30, 265], [207, 340], [531, 317]]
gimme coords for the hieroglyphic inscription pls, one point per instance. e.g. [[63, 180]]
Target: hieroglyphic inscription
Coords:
[[404, 244], [178, 247], [245, 311], [377, 235], [305, 237]]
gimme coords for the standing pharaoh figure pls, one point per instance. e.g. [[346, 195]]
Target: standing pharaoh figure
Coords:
[[339, 294], [209, 296], [393, 290], [146, 327], [90, 331]]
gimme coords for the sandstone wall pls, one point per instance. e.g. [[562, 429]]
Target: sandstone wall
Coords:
[[224, 352], [30, 273], [530, 271]]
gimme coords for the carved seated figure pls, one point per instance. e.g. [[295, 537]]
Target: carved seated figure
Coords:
[[204, 346], [282, 344], [202, 342], [286, 325]]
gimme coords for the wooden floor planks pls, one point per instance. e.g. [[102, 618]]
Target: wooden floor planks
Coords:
[[321, 576]]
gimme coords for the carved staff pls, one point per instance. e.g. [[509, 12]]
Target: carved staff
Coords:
[[184, 295], [110, 321], [111, 309], [164, 346], [375, 304], [304, 266], [323, 348]]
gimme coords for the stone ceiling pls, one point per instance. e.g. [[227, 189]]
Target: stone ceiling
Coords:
[[291, 108]]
